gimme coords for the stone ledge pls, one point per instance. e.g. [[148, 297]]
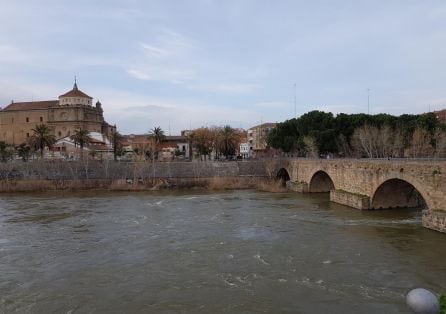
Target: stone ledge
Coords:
[[434, 219], [358, 201], [301, 187]]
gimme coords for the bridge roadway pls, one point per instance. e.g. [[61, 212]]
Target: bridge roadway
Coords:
[[373, 183]]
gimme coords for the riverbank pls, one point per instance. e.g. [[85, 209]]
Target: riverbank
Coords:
[[57, 175], [139, 184]]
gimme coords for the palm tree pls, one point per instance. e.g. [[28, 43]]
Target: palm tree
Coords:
[[228, 140], [81, 137], [159, 136], [42, 137]]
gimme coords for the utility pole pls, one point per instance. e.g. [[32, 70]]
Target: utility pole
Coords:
[[295, 113], [368, 100]]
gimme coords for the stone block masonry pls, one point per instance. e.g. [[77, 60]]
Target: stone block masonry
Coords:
[[109, 170], [434, 219], [376, 184], [350, 199]]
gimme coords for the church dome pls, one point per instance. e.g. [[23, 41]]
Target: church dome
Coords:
[[75, 97]]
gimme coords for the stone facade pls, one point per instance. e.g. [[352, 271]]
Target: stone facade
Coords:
[[58, 170], [73, 110]]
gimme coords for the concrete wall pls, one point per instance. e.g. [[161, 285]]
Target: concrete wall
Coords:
[[60, 170]]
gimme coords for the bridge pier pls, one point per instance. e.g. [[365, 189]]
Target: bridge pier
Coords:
[[358, 201], [434, 219], [301, 187], [374, 184]]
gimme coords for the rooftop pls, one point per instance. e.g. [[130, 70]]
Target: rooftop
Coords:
[[31, 105], [75, 92], [264, 125]]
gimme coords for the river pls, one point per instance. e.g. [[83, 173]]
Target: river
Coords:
[[197, 252]]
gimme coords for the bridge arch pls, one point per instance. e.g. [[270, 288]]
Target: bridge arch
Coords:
[[283, 175], [321, 182], [397, 193]]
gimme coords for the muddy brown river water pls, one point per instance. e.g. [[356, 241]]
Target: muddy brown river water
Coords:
[[193, 252]]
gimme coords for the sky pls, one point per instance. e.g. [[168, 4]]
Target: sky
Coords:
[[186, 64]]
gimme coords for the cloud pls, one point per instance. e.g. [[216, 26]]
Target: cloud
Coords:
[[139, 75], [228, 88], [137, 113], [167, 59], [152, 51]]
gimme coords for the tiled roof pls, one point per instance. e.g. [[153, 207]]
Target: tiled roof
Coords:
[[30, 105], [75, 92], [100, 147], [264, 125], [177, 138]]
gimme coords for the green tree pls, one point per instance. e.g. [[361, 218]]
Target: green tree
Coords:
[[24, 151], [116, 141], [203, 141], [227, 141], [320, 126], [285, 136], [41, 138], [6, 151]]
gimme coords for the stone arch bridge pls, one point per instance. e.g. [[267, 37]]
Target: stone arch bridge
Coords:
[[373, 183]]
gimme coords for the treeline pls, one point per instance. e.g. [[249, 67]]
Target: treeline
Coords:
[[220, 141], [319, 133]]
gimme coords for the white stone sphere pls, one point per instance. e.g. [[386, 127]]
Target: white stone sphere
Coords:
[[422, 301]]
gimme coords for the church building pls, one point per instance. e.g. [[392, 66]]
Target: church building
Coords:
[[73, 110]]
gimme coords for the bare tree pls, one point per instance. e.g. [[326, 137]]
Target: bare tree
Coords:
[[364, 140], [311, 146], [420, 145], [398, 143], [440, 143], [385, 142]]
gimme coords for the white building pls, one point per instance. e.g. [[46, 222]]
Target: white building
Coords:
[[244, 150]]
